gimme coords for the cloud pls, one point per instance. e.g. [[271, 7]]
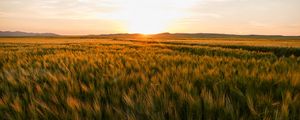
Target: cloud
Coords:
[[69, 9]]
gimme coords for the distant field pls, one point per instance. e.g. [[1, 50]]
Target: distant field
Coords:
[[149, 78]]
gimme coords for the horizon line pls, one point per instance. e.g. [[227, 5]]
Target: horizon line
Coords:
[[124, 33]]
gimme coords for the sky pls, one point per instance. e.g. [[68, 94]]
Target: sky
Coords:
[[79, 17]]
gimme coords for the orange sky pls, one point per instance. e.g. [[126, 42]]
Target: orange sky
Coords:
[[75, 17]]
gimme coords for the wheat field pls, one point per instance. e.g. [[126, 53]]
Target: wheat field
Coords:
[[149, 78]]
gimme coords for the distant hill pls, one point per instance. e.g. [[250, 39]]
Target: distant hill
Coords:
[[152, 36], [194, 36], [216, 35], [25, 34]]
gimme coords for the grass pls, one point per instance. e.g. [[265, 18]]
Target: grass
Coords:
[[57, 78]]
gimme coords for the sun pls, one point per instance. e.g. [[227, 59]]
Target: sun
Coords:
[[145, 26], [150, 16], [146, 23], [145, 19]]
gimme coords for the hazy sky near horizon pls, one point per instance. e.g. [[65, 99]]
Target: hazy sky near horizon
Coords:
[[151, 16]]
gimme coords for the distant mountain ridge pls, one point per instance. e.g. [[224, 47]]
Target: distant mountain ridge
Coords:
[[220, 35], [25, 34], [194, 36], [165, 35]]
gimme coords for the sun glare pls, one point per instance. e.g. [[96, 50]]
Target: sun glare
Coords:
[[146, 22], [150, 17], [145, 25]]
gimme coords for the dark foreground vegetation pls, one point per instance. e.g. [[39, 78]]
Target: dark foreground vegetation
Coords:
[[115, 79]]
